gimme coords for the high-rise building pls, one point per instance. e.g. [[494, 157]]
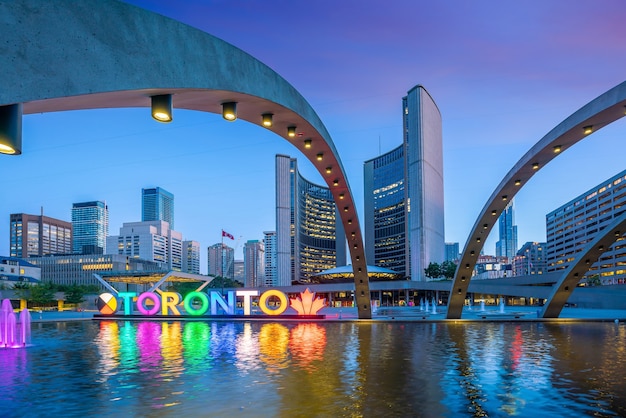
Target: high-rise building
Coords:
[[157, 204], [238, 271], [270, 276], [152, 241], [38, 235], [220, 261], [253, 263], [452, 251], [310, 237], [191, 257], [572, 226], [404, 212], [90, 224], [530, 259], [506, 246]]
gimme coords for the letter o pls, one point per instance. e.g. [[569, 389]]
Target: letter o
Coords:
[[187, 303], [154, 298], [283, 302]]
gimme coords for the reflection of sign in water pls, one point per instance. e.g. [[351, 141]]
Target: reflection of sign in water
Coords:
[[199, 303]]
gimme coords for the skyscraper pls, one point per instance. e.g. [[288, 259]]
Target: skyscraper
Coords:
[[452, 251], [152, 241], [221, 260], [309, 234], [506, 246], [157, 204], [191, 257], [270, 278], [33, 235], [90, 223], [253, 263], [404, 212]]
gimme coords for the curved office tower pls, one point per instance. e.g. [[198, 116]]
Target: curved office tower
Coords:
[[386, 223], [309, 234], [404, 213]]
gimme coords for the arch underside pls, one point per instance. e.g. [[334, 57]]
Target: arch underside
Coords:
[[69, 57], [598, 113]]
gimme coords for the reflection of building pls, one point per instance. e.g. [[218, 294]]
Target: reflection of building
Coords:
[[507, 242], [153, 240], [530, 259], [572, 226], [90, 223], [269, 240], [221, 261], [191, 257], [32, 235], [309, 234], [253, 263], [157, 204], [452, 251], [404, 222], [14, 270], [79, 269]]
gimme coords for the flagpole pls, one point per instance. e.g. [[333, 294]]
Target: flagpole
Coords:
[[222, 262]]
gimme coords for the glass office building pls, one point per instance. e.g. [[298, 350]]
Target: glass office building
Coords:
[[310, 236], [404, 212], [38, 235], [157, 204], [90, 223]]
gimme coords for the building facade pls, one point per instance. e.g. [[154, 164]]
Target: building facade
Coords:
[[157, 204], [80, 268], [452, 252], [15, 270], [33, 235], [270, 275], [530, 259], [152, 241], [221, 260], [572, 226], [254, 263], [191, 257], [90, 227], [506, 246], [404, 211], [310, 237]]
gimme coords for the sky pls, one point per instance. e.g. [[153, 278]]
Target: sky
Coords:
[[503, 74]]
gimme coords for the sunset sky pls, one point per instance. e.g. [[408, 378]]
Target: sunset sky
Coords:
[[503, 74]]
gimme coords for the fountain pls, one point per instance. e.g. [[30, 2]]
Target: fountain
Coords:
[[422, 307], [482, 306], [434, 306], [13, 334], [501, 305]]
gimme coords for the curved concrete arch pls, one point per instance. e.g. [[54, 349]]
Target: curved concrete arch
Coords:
[[601, 111], [566, 284], [92, 54]]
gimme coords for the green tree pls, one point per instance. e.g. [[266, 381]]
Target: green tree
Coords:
[[448, 268], [42, 294], [593, 280], [74, 294], [22, 290], [433, 271], [223, 282]]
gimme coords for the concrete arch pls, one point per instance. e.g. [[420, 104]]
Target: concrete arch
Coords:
[[598, 113], [108, 54], [566, 284]]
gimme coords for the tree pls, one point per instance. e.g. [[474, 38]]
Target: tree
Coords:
[[433, 271], [448, 269], [74, 294], [223, 282], [42, 294], [593, 280]]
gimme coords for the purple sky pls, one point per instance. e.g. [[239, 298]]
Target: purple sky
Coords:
[[502, 73]]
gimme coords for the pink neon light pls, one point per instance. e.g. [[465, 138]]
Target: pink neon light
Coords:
[[154, 298]]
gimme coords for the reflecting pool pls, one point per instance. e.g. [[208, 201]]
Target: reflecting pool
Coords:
[[332, 369]]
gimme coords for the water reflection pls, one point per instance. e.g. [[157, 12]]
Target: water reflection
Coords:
[[347, 369]]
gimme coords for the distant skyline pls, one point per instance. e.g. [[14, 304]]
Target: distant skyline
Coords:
[[502, 74]]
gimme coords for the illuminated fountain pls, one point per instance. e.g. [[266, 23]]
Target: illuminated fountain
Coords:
[[434, 306], [13, 334]]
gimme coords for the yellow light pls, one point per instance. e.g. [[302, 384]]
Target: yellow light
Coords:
[[341, 196], [329, 170], [320, 156], [229, 111], [5, 149], [588, 129], [307, 143], [518, 182], [162, 108], [11, 129], [535, 166], [291, 131], [267, 119], [557, 149]]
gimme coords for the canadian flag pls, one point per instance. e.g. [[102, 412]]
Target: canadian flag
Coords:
[[227, 235]]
